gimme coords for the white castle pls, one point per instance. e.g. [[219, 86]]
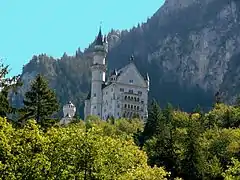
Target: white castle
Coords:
[[123, 94]]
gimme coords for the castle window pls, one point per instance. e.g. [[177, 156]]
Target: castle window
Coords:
[[140, 92], [125, 106], [121, 90], [131, 106], [125, 97], [135, 99], [142, 102], [131, 81], [137, 107], [131, 91], [95, 107], [138, 99], [131, 98], [128, 106]]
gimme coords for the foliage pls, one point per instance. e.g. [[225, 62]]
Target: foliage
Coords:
[[197, 145], [233, 171], [71, 152], [40, 102], [124, 128]]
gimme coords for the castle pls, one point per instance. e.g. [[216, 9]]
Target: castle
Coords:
[[123, 94]]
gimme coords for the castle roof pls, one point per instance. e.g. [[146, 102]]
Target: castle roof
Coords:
[[118, 73], [99, 40]]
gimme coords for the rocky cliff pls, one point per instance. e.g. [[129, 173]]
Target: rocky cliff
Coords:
[[189, 47]]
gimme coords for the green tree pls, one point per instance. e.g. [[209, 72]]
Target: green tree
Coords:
[[6, 85], [154, 116], [70, 152], [40, 102]]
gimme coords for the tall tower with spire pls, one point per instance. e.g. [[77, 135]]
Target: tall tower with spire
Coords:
[[98, 70]]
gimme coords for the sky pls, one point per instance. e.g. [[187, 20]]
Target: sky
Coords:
[[32, 27]]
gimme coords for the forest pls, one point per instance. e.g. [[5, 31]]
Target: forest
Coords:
[[171, 144]]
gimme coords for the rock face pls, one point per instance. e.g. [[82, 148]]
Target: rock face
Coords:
[[189, 47]]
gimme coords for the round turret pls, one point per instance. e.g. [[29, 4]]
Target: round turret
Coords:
[[69, 109]]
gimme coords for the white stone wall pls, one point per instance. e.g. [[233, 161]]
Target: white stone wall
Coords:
[[87, 108], [96, 98], [99, 58], [132, 99], [107, 108], [115, 104]]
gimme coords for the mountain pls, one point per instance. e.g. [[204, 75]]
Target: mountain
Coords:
[[190, 48]]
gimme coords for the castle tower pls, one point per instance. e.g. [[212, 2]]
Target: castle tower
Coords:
[[98, 70], [69, 111]]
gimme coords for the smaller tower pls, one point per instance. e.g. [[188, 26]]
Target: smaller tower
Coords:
[[69, 111]]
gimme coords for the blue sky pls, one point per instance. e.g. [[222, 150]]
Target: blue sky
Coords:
[[31, 27]]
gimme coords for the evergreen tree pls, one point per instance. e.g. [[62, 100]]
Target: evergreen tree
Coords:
[[7, 84], [154, 116], [40, 102]]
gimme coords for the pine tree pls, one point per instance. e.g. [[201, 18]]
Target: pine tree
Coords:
[[40, 102], [7, 84], [153, 120]]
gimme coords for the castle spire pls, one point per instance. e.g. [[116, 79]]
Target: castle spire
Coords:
[[99, 40]]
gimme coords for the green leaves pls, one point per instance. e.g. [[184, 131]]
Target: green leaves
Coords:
[[70, 152]]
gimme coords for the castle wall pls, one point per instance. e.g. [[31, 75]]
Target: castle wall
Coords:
[[124, 100], [87, 108]]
